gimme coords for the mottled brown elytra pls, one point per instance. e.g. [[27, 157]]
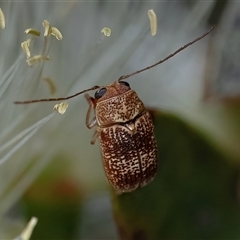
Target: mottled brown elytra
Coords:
[[124, 130]]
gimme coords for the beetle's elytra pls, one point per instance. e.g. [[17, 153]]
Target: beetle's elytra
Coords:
[[124, 130]]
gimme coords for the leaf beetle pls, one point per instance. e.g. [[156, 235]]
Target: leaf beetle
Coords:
[[124, 129]]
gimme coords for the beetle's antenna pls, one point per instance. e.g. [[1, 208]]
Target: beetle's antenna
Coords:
[[57, 99], [122, 77], [168, 57]]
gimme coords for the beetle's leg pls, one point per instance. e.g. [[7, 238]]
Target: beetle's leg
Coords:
[[93, 122], [94, 137]]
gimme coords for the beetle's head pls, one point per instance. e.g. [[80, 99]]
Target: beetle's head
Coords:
[[112, 90]]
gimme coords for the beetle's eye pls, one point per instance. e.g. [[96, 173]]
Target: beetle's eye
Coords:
[[124, 83], [100, 93]]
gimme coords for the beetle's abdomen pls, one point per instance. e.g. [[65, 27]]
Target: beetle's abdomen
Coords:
[[129, 156]]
